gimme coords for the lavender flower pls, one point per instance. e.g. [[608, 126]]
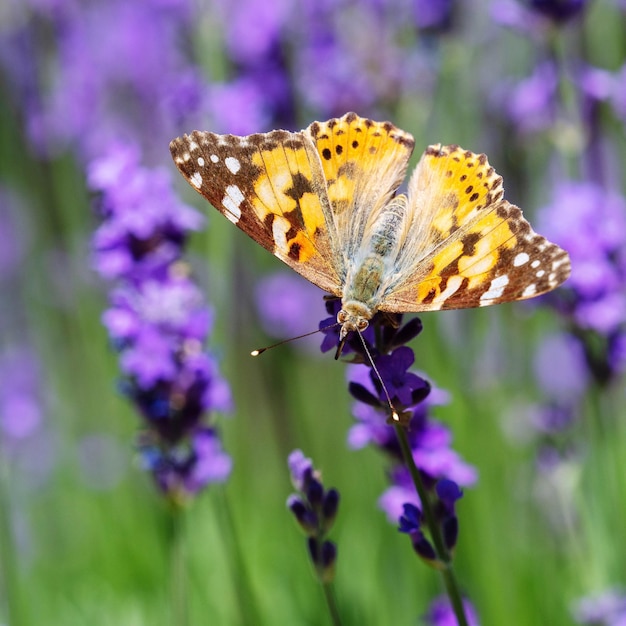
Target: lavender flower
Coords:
[[391, 381], [429, 440], [446, 494], [255, 38], [593, 230], [441, 613], [434, 17], [604, 609], [529, 103], [20, 402], [135, 48], [315, 510], [158, 321]]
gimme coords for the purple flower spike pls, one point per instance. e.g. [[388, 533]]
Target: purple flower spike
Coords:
[[315, 510], [158, 321], [594, 299]]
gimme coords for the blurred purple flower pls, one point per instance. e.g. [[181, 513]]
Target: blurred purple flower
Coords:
[[188, 467], [159, 321], [441, 613], [355, 57], [146, 224], [434, 15], [135, 48], [21, 410], [530, 103], [604, 609], [239, 107], [289, 306], [560, 367], [590, 223], [254, 27]]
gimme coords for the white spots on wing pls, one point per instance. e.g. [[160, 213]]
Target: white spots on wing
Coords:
[[196, 180], [531, 290], [231, 202], [536, 263], [186, 156], [540, 273], [232, 164], [179, 159], [520, 259], [496, 288], [452, 286], [214, 158], [200, 161], [193, 145], [280, 228]]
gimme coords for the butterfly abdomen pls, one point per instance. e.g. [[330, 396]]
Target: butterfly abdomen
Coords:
[[373, 266]]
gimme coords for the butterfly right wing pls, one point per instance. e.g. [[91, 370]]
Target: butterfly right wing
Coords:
[[272, 187], [467, 246]]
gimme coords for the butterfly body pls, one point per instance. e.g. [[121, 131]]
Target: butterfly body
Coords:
[[323, 200], [372, 273]]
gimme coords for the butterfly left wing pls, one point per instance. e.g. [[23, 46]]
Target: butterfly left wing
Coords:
[[466, 245], [272, 187], [364, 163]]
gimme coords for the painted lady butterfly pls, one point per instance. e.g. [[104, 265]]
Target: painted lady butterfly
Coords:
[[324, 201]]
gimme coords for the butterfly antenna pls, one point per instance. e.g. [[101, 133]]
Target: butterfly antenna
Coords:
[[394, 414], [280, 343]]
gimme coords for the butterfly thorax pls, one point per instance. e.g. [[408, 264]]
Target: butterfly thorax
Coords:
[[371, 270]]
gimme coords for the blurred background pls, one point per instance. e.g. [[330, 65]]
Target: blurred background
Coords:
[[144, 453]]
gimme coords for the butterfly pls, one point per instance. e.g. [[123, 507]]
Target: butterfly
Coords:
[[324, 201]]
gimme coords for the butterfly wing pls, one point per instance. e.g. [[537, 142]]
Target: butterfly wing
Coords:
[[466, 245], [364, 162], [272, 187]]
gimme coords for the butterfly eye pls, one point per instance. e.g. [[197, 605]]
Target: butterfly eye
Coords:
[[362, 324], [342, 316]]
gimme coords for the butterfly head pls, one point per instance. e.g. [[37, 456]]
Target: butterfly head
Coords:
[[354, 316]]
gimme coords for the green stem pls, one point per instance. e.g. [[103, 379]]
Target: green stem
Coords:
[[332, 604], [449, 579], [247, 604], [178, 577]]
